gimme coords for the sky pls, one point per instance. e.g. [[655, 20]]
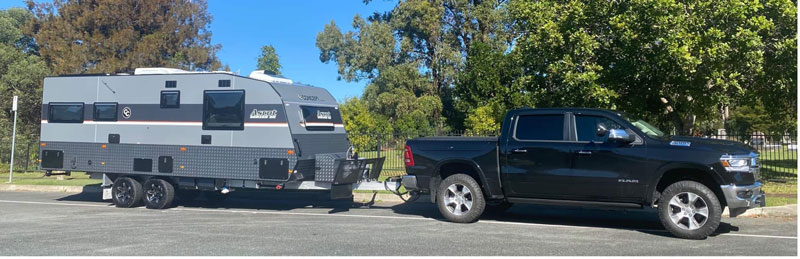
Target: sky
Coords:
[[243, 26]]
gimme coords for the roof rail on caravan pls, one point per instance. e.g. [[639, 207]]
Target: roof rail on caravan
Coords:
[[166, 70]]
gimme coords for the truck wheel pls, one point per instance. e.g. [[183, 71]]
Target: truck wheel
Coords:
[[460, 199], [126, 192], [158, 194], [688, 209]]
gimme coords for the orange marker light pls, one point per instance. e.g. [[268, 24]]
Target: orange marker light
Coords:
[[102, 163], [181, 167], [291, 152], [103, 146], [43, 144], [183, 149]]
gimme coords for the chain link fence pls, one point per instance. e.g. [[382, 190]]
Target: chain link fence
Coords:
[[777, 153]]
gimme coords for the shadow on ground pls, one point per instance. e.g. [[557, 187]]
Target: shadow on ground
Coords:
[[641, 220]]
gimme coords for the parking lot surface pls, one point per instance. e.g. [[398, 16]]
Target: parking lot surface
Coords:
[[307, 224]]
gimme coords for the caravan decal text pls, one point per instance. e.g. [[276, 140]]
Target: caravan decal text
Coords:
[[264, 114]]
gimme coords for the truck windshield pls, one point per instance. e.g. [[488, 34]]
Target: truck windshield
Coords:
[[645, 127]]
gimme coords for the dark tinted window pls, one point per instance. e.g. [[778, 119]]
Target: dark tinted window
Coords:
[[65, 113], [587, 127], [105, 111], [223, 110], [318, 118], [540, 127], [170, 99]]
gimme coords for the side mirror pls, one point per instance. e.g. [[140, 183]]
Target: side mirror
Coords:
[[621, 136], [601, 130]]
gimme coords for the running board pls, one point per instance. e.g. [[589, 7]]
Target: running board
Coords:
[[601, 204]]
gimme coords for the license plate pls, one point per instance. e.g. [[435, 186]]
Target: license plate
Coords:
[[106, 193]]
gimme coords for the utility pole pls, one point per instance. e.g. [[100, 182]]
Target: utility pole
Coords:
[[13, 141]]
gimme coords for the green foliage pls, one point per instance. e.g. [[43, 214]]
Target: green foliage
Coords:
[[120, 35], [411, 56], [482, 121], [21, 74], [362, 125], [672, 62], [269, 61], [749, 119]]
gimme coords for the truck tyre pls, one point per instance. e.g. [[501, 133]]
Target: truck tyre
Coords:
[[126, 192], [690, 210], [158, 194], [460, 199]]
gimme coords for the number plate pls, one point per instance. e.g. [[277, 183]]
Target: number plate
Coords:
[[106, 193]]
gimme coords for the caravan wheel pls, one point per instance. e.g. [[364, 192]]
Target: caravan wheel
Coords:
[[158, 194], [126, 192]]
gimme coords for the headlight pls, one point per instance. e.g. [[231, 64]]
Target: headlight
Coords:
[[736, 163]]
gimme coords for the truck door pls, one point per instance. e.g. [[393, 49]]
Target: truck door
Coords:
[[602, 170], [537, 156]]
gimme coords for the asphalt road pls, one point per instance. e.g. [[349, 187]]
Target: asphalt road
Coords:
[[305, 224]]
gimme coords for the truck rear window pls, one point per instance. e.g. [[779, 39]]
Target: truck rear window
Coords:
[[540, 127], [65, 113]]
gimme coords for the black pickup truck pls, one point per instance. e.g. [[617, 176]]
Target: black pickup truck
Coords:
[[587, 157]]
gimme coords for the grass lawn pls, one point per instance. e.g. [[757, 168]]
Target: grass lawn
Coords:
[[38, 178], [779, 193]]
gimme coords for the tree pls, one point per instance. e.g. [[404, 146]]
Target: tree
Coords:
[[111, 36], [429, 38], [364, 128], [269, 61], [21, 73]]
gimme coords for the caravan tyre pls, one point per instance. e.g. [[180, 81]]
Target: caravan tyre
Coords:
[[126, 192], [158, 194]]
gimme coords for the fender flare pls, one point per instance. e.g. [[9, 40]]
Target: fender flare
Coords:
[[653, 184], [466, 162]]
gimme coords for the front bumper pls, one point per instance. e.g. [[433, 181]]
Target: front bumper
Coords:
[[741, 198]]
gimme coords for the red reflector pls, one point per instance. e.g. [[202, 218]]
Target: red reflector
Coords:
[[408, 157], [278, 187]]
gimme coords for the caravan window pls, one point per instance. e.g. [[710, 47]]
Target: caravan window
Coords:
[[65, 113], [105, 112], [223, 110], [170, 99], [318, 118]]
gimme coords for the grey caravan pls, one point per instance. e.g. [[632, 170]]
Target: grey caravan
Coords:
[[165, 132]]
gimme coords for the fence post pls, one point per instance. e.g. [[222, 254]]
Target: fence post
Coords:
[[378, 144], [28, 156]]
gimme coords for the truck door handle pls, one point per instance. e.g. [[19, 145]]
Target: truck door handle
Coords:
[[520, 151], [584, 152]]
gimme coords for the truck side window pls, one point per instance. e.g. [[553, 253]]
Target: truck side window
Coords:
[[586, 125], [65, 113], [540, 127], [170, 99], [223, 110], [105, 112]]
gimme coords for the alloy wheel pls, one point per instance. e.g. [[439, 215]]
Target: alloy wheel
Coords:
[[688, 210], [458, 199]]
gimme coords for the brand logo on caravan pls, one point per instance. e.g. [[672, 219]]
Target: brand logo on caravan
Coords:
[[264, 114], [323, 115], [308, 97], [126, 112]]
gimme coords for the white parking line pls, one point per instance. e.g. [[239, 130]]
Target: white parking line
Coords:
[[376, 217]]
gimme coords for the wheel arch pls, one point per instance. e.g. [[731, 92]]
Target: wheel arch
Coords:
[[676, 172], [449, 167]]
